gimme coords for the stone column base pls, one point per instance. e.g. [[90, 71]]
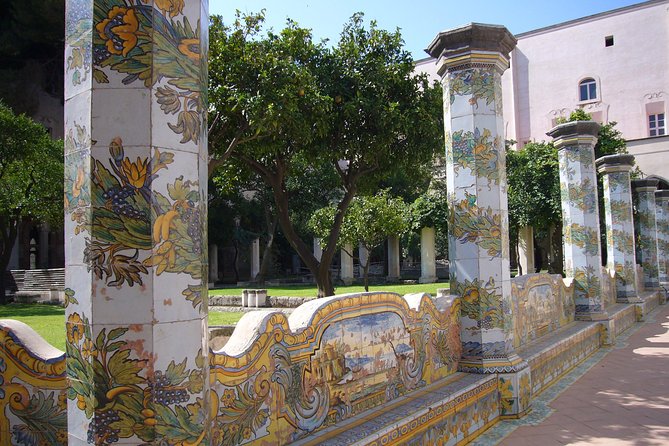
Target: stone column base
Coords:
[[432, 279], [664, 292], [515, 393], [510, 364], [589, 317]]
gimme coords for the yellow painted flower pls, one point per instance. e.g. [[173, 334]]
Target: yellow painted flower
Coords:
[[228, 397], [61, 437], [135, 172], [88, 349], [190, 48], [74, 328], [233, 428], [119, 30], [480, 148], [78, 182], [470, 295], [171, 7], [247, 432]]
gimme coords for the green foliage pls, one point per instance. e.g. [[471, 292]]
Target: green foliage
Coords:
[[369, 221], [31, 177], [430, 210], [610, 141], [534, 186], [263, 87], [295, 112]]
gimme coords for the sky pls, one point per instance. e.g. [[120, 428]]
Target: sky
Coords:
[[419, 21]]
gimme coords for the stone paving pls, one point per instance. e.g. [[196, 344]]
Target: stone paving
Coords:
[[619, 396]]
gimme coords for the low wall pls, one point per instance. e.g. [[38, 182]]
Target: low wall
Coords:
[[33, 400], [542, 304], [336, 370], [279, 379]]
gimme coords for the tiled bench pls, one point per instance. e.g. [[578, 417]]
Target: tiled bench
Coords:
[[454, 410]]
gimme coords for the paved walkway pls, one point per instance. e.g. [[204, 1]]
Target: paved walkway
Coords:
[[619, 396]]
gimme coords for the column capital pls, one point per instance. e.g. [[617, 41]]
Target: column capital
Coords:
[[645, 185], [615, 163], [472, 44], [574, 133], [662, 195]]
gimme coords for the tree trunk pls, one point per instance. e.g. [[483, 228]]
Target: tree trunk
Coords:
[[276, 180], [267, 252], [555, 263], [235, 244], [517, 249], [8, 233], [365, 270], [324, 281]]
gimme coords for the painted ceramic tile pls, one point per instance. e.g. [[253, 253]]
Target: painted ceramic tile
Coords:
[[33, 408], [647, 238], [357, 352]]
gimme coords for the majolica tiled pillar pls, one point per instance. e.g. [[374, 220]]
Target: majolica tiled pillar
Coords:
[[621, 257], [471, 61], [135, 212], [428, 261], [662, 223], [575, 142], [346, 271], [393, 258], [646, 231]]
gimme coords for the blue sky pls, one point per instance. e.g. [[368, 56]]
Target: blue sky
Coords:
[[420, 21]]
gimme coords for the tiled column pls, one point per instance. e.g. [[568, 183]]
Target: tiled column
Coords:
[[346, 271], [575, 142], [393, 258], [213, 263], [646, 231], [428, 261], [255, 258], [662, 223], [135, 213], [621, 258], [471, 61], [363, 254], [526, 249]]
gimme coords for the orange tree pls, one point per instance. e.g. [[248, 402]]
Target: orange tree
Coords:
[[287, 107]]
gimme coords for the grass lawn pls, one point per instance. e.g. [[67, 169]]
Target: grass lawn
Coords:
[[49, 320], [225, 317], [310, 290]]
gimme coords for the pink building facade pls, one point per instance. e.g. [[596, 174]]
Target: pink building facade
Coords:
[[614, 65]]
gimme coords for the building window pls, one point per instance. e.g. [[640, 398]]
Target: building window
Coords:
[[656, 126], [587, 89], [608, 41]]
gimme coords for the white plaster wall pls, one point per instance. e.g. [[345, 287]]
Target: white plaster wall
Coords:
[[651, 155], [548, 65]]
